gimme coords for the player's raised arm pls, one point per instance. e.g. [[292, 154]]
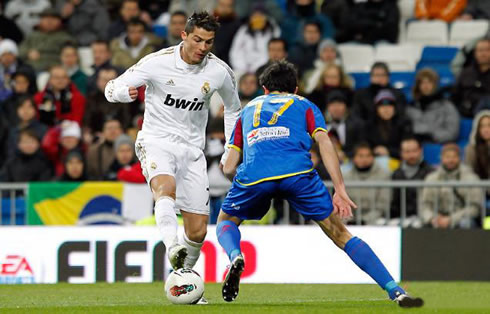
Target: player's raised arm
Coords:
[[124, 88], [231, 101]]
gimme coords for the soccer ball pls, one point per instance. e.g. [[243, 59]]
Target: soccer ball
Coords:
[[184, 286]]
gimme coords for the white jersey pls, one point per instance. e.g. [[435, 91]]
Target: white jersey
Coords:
[[177, 94]]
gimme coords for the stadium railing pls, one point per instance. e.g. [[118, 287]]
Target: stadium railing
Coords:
[[12, 203]]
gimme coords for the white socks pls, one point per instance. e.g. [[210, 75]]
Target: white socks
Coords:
[[193, 251], [166, 220]]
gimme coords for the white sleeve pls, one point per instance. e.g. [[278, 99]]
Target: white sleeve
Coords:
[[117, 90], [231, 101]]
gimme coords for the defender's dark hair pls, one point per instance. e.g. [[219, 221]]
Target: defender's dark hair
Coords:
[[280, 76], [201, 20]]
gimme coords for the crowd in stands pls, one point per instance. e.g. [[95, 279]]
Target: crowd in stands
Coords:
[[56, 56]]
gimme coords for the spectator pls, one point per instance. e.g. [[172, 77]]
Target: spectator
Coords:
[[22, 84], [304, 52], [29, 163], [124, 157], [42, 47], [9, 64], [327, 54], [476, 9], [60, 100], [249, 47], [86, 20], [4, 135], [102, 60], [9, 30], [98, 108], [59, 140], [277, 50], [369, 22], [474, 82], [413, 167], [446, 10], [477, 152], [387, 130], [100, 155], [243, 8], [129, 10], [248, 88], [332, 79], [434, 118], [449, 207], [26, 13], [372, 202], [230, 23], [348, 129], [75, 168], [364, 98], [300, 12], [335, 10], [191, 6], [26, 118], [70, 61], [176, 25], [130, 47], [215, 142]]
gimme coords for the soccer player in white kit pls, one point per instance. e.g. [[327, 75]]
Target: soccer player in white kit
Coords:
[[179, 83]]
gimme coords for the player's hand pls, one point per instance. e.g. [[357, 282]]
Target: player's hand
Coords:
[[342, 204], [133, 92]]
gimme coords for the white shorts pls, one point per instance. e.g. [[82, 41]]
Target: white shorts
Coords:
[[186, 163]]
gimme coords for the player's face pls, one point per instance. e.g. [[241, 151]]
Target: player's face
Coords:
[[484, 128], [363, 158], [197, 45], [450, 160], [411, 152]]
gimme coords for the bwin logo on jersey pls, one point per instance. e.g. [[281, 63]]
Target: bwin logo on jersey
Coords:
[[193, 105]]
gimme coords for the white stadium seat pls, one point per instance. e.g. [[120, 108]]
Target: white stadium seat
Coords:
[[86, 59], [433, 33], [464, 31], [356, 57], [399, 58], [407, 9]]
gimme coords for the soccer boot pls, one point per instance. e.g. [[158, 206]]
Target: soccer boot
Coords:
[[405, 300], [176, 255], [231, 284]]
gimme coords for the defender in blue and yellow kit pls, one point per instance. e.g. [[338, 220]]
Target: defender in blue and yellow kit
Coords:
[[272, 139]]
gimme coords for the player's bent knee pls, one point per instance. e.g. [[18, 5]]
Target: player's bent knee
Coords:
[[163, 185], [196, 235]]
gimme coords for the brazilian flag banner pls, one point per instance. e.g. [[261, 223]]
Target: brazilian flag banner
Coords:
[[87, 203]]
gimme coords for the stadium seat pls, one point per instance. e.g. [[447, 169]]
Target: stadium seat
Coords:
[[463, 31], [407, 8], [465, 126], [428, 32], [403, 81], [356, 57], [432, 153], [446, 76], [160, 30], [398, 57], [361, 79], [415, 50], [86, 59], [437, 56], [20, 210]]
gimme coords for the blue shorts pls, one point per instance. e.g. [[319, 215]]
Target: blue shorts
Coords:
[[306, 193]]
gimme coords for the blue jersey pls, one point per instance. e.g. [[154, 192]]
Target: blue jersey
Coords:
[[274, 133]]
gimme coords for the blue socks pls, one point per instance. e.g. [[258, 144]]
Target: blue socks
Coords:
[[229, 238], [362, 255]]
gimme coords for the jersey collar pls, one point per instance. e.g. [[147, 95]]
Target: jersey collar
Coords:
[[181, 64]]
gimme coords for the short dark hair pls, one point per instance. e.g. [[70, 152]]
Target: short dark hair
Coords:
[[202, 20], [135, 21], [316, 23], [410, 138], [100, 42], [181, 13], [380, 65], [280, 76], [28, 132], [278, 40], [363, 145], [69, 44]]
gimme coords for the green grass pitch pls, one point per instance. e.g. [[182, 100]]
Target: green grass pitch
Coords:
[[440, 297]]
